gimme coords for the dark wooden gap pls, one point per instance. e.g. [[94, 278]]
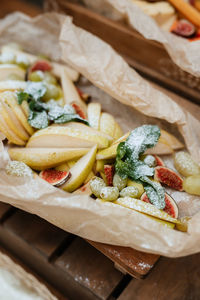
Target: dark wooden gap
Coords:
[[61, 248], [11, 211], [121, 286]]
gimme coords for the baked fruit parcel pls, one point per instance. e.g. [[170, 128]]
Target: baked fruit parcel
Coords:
[[54, 132]]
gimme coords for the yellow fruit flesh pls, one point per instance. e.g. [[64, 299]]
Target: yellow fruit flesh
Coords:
[[90, 176], [10, 135], [107, 153], [191, 185], [117, 132], [137, 185], [94, 113], [64, 167], [171, 140], [107, 124]]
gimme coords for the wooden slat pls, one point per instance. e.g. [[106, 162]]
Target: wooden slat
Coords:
[[173, 279], [10, 6], [5, 210], [136, 263], [148, 57], [91, 269], [38, 233]]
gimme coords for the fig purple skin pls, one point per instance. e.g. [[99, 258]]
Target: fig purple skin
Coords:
[[184, 28]]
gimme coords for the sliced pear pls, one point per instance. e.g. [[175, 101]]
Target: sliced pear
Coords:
[[161, 148], [12, 121], [171, 140], [64, 167], [83, 127], [72, 162], [118, 133], [70, 93], [10, 99], [94, 114], [8, 69], [80, 171], [12, 85], [122, 138], [84, 190], [56, 67], [66, 137], [10, 135], [145, 208], [107, 124], [25, 108], [107, 153], [89, 177], [44, 158]]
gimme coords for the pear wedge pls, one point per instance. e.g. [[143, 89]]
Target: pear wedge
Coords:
[[70, 93], [107, 153], [161, 148], [12, 85], [12, 121], [80, 171], [118, 133], [85, 128], [145, 208], [44, 158], [10, 99], [94, 114], [10, 135], [8, 69], [66, 137], [107, 124], [171, 140]]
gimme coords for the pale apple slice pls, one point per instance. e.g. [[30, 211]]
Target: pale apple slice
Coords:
[[8, 69], [118, 133], [66, 137], [10, 99], [70, 93], [80, 171], [83, 127], [145, 208], [44, 158], [94, 114], [12, 122], [107, 124], [171, 140], [10, 135], [12, 85], [56, 67]]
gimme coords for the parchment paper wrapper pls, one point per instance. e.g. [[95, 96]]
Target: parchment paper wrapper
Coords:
[[185, 54], [138, 103], [17, 279]]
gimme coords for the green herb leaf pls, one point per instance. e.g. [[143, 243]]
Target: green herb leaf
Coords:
[[128, 163], [65, 118], [38, 120], [35, 89], [22, 96]]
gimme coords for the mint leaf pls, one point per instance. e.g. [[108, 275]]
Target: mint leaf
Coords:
[[22, 96], [35, 89], [65, 118], [38, 120]]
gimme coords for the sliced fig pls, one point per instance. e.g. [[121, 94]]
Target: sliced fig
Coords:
[[55, 177], [170, 205], [42, 65], [159, 161], [109, 173], [168, 177], [184, 28], [78, 110]]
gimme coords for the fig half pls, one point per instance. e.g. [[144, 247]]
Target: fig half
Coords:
[[170, 205], [184, 28], [168, 177], [109, 173], [55, 177]]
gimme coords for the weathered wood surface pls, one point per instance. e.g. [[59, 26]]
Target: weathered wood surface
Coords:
[[148, 57]]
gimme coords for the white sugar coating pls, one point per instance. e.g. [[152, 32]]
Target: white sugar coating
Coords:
[[7, 57], [96, 184], [150, 160], [22, 59], [144, 265], [129, 191], [109, 193], [185, 165], [19, 169]]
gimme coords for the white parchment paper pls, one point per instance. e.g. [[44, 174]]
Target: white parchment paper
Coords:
[[138, 103]]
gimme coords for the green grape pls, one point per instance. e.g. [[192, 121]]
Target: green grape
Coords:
[[109, 193], [149, 160], [119, 182], [137, 185], [191, 185], [129, 191], [49, 78], [96, 184], [36, 76], [52, 92], [185, 165]]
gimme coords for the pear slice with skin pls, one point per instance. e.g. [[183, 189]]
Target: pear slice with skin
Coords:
[[83, 127], [118, 133], [8, 69], [80, 171], [171, 140], [107, 153], [12, 85], [13, 122], [44, 158], [10, 135], [94, 114], [10, 99], [145, 208], [63, 136], [107, 124]]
